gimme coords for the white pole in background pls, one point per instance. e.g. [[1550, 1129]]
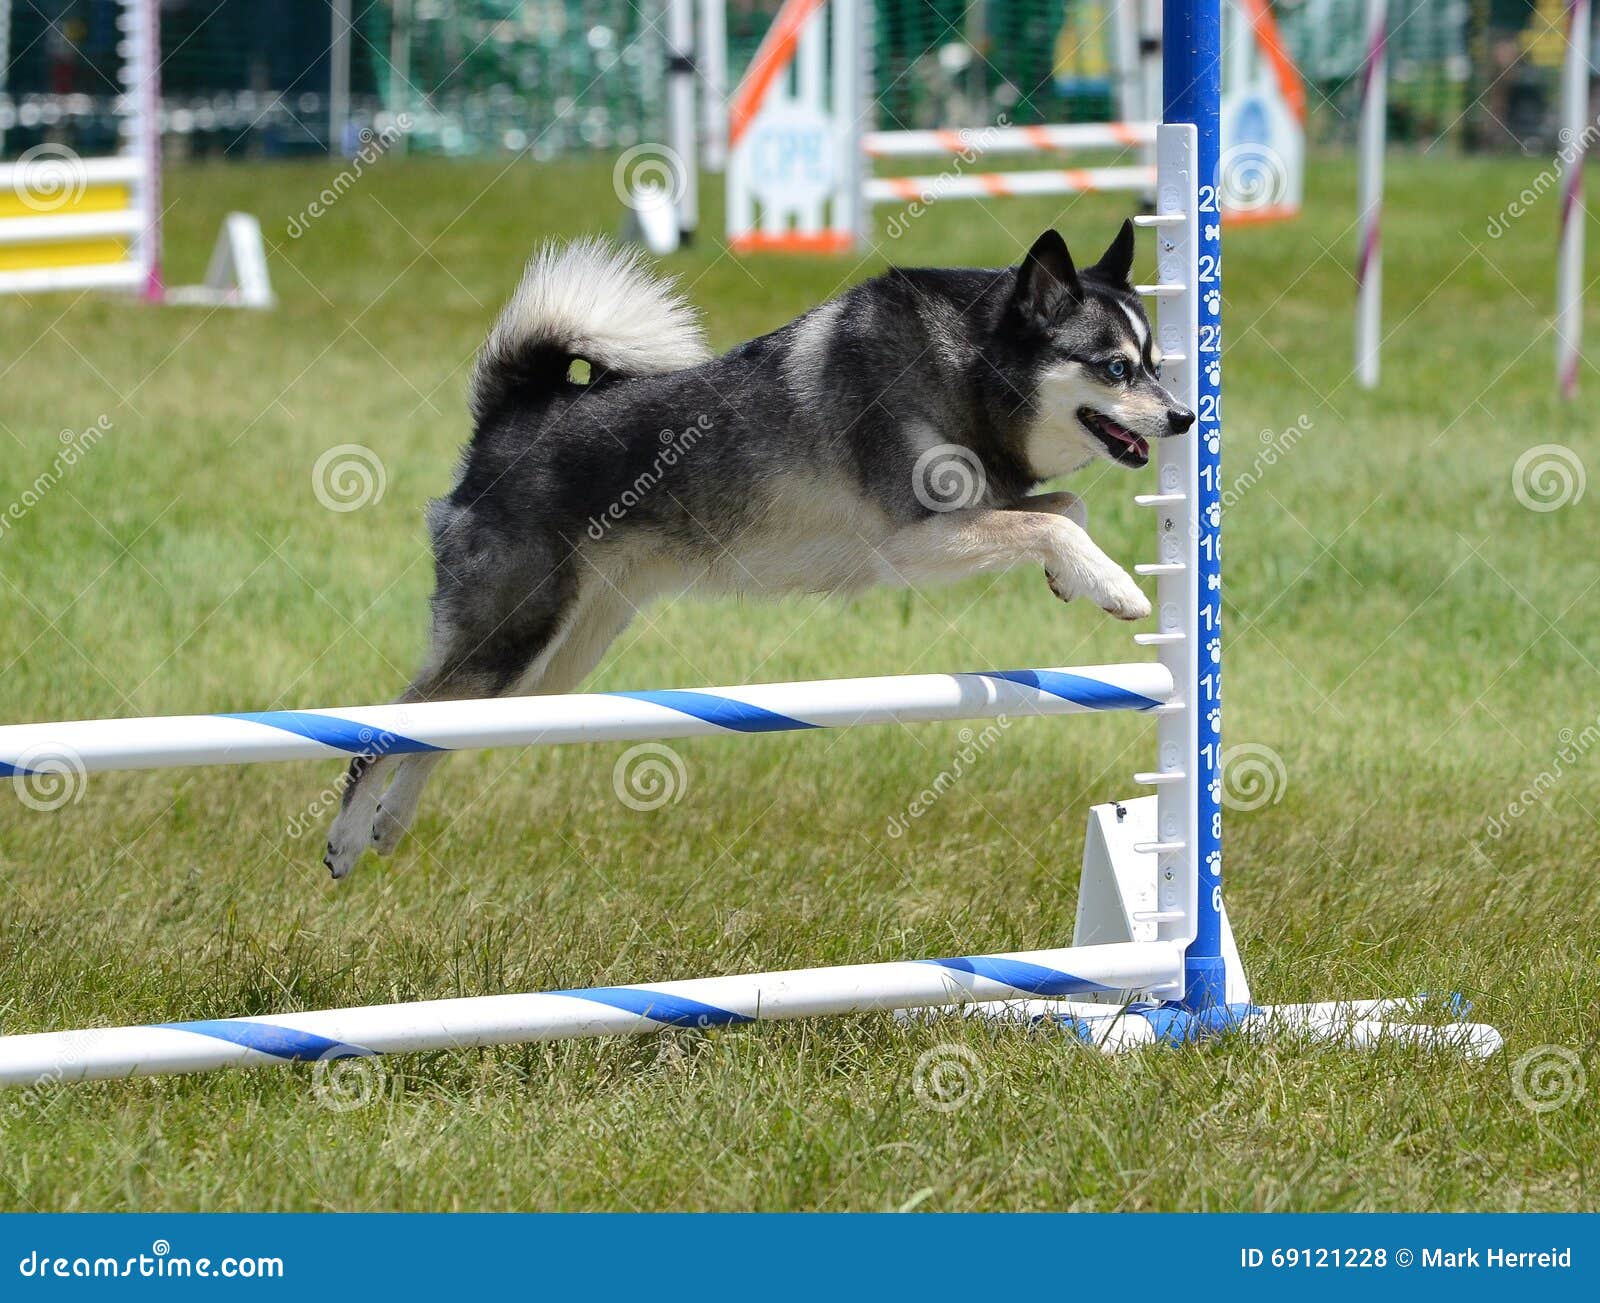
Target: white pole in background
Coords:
[[1150, 74], [680, 114], [1569, 267], [713, 52], [1369, 250], [139, 22], [400, 66], [338, 76], [5, 62]]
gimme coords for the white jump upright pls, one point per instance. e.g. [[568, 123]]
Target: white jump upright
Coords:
[[1577, 129], [1153, 959], [1372, 138]]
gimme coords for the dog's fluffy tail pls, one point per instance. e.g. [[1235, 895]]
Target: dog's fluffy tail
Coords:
[[585, 300]]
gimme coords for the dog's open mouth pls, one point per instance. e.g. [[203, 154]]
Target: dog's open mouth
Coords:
[[1123, 445]]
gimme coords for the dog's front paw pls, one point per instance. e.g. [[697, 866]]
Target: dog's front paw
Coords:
[[345, 844], [1118, 595]]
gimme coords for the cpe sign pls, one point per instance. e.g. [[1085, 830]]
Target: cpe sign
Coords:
[[793, 156]]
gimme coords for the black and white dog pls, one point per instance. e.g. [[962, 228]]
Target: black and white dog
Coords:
[[893, 435]]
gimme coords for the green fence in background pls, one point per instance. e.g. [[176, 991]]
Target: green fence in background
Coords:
[[551, 77]]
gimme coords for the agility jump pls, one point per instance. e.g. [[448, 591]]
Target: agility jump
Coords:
[[1153, 959], [74, 223]]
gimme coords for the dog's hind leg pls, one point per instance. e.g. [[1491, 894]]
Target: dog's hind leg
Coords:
[[481, 648], [597, 617]]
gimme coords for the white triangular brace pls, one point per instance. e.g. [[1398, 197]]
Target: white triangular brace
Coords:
[[1117, 893], [237, 275]]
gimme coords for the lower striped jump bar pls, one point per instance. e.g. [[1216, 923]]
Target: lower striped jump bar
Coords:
[[177, 740], [44, 1058]]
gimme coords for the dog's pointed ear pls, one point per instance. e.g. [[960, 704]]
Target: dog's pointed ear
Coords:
[[1047, 279], [1117, 261]]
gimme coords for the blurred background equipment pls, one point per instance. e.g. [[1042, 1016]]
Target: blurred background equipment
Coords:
[[80, 203], [1064, 89], [551, 77], [88, 217], [803, 143]]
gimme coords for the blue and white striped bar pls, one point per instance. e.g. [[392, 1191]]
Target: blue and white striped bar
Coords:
[[177, 740], [48, 1057]]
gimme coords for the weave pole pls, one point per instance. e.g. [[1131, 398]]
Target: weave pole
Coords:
[[1569, 265], [1372, 137]]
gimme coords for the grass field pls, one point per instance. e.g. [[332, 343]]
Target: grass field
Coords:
[[1415, 644]]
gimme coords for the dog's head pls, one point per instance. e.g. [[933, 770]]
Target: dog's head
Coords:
[[1092, 359]]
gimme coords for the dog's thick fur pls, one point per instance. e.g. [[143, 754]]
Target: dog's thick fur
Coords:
[[892, 435]]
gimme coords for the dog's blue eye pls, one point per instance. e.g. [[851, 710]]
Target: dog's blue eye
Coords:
[[1117, 369]]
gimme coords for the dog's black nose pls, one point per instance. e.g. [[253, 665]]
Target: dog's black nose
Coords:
[[1179, 419]]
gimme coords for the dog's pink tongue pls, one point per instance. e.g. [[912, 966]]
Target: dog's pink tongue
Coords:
[[1130, 438]]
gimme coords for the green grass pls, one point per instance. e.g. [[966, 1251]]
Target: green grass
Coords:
[[1405, 636]]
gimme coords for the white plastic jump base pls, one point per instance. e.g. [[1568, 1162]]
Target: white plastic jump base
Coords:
[[1350, 1024]]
